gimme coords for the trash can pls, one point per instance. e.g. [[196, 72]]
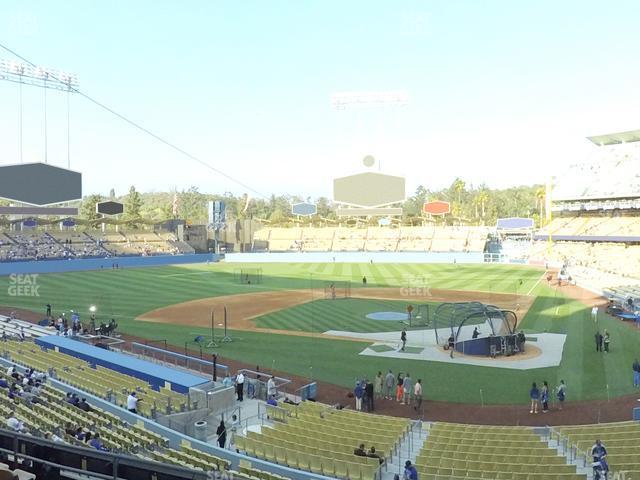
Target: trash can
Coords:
[[200, 430]]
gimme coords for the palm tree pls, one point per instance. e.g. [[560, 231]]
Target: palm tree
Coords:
[[483, 197]]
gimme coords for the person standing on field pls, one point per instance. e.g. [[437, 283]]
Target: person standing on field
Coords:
[[417, 395], [636, 373], [390, 382], [407, 387], [377, 386]]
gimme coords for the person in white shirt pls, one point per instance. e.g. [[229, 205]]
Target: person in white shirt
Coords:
[[132, 402], [14, 424], [417, 394], [240, 386], [271, 387], [594, 313]]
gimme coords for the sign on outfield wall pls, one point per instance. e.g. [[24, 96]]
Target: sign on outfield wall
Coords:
[[303, 209], [39, 184], [109, 208], [437, 207]]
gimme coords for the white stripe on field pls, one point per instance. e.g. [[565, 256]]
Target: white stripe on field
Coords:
[[536, 284]]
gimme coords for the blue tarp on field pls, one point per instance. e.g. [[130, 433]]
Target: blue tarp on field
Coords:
[[157, 375]]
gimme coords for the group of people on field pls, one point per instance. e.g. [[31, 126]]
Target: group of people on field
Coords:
[[389, 387], [540, 396]]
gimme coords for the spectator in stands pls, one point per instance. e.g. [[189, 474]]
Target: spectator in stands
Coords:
[[11, 370], [358, 393], [3, 383], [272, 401], [544, 396], [14, 424], [368, 394], [84, 406], [389, 383], [222, 434], [240, 386], [606, 340], [636, 373], [80, 434], [600, 465], [96, 443], [410, 472], [132, 402], [360, 451], [226, 381], [373, 454], [403, 339], [407, 390], [399, 389], [417, 395], [534, 395], [271, 387], [561, 394]]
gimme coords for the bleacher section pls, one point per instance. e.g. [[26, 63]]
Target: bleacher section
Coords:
[[374, 239], [51, 413], [317, 438], [597, 226], [54, 244], [101, 382], [473, 452], [622, 441], [616, 258]]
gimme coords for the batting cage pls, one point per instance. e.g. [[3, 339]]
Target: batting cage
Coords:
[[335, 290], [247, 276], [476, 328]]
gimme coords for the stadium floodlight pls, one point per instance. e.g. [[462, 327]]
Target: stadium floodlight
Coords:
[[14, 71], [342, 100]]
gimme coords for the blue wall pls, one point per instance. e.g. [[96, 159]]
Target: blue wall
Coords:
[[58, 266], [355, 257], [156, 375]]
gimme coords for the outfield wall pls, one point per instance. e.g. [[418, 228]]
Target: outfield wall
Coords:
[[355, 257], [75, 265]]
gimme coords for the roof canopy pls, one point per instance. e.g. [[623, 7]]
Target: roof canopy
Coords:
[[616, 138]]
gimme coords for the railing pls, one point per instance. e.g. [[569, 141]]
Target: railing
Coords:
[[164, 355], [88, 462]]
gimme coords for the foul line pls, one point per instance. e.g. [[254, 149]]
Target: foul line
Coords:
[[536, 284]]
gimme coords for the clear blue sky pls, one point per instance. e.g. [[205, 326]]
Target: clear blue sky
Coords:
[[501, 92]]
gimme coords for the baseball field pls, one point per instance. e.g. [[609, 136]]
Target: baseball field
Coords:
[[278, 322]]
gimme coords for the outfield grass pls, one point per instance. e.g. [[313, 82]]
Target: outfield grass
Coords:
[[128, 293]]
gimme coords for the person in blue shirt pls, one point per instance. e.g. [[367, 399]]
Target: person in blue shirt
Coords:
[[534, 394], [96, 443], [358, 392], [410, 472], [600, 465]]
